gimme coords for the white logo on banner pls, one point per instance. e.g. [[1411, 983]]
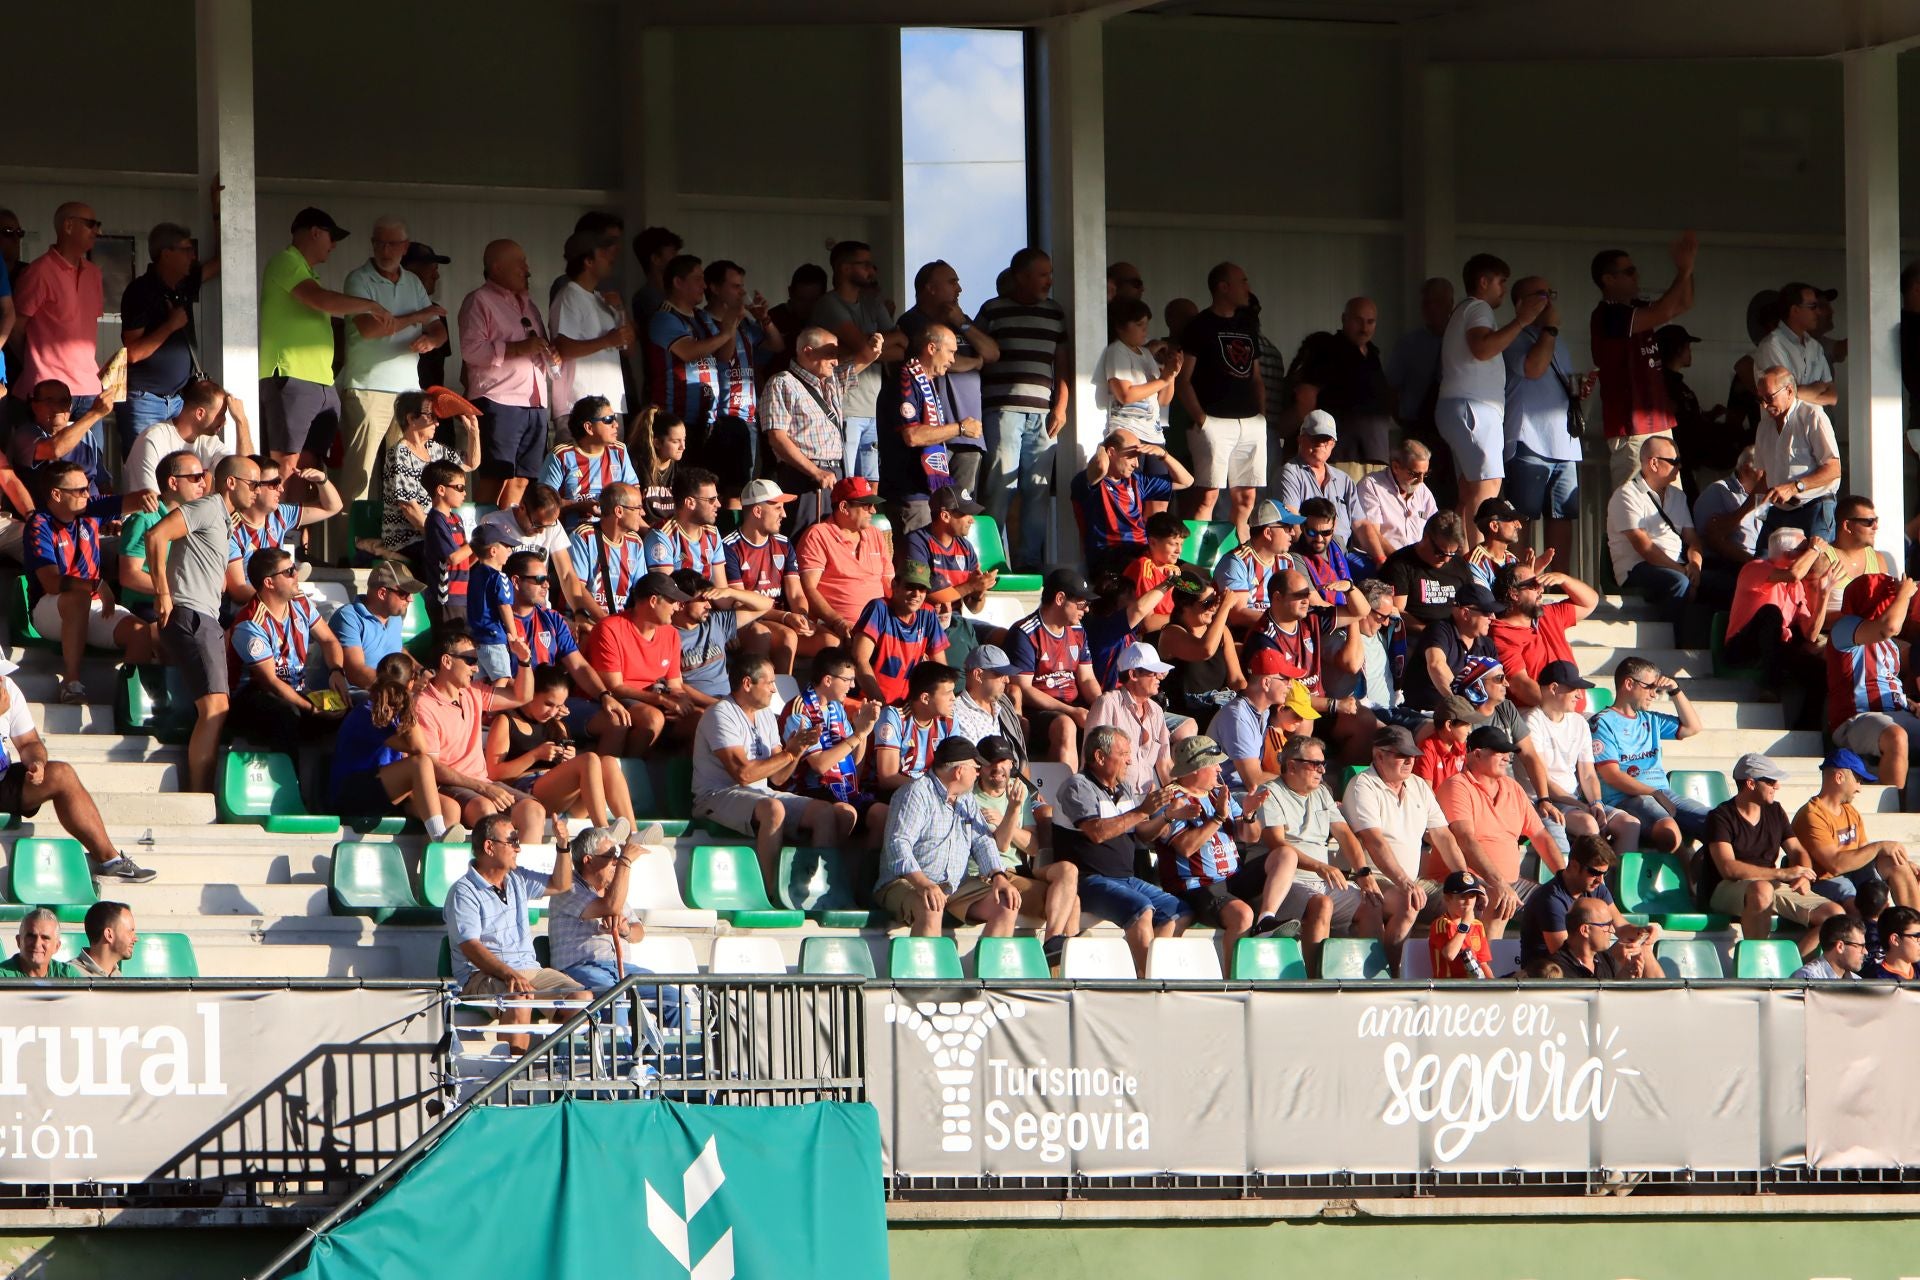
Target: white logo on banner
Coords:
[[697, 1186], [1472, 1091], [953, 1032]]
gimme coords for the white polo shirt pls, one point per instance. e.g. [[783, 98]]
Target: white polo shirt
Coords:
[[1804, 358], [1402, 821], [1633, 506], [1795, 445]]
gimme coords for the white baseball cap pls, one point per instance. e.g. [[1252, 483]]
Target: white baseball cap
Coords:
[[1142, 657], [1319, 423]]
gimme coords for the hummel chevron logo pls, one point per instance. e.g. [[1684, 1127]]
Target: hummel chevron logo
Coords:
[[697, 1186]]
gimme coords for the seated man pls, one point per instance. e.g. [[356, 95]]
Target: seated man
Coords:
[[1441, 661], [449, 711], [270, 640], [1428, 576], [371, 627], [608, 555], [199, 427], [934, 829], [269, 522], [1652, 542], [982, 708], [1834, 835], [1779, 611], [1626, 755], [1099, 821], [486, 916], [1298, 817], [30, 780], [1053, 665], [1593, 950], [738, 754], [1199, 849], [844, 561], [760, 560], [111, 936], [1392, 813], [1501, 526], [1372, 686], [1110, 498], [1543, 920], [1843, 949], [1571, 806], [1868, 711], [51, 434], [1049, 886], [589, 924], [907, 736], [1249, 569], [1489, 816], [1320, 556], [831, 770], [1528, 634], [1134, 708], [712, 623], [1754, 868], [943, 547], [896, 635], [593, 710], [637, 655], [38, 939], [1900, 931], [1397, 498], [71, 602]]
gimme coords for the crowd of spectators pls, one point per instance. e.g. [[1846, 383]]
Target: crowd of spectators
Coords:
[[637, 517]]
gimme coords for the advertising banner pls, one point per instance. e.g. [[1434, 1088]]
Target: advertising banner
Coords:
[[137, 1084], [1108, 1082], [1862, 1109]]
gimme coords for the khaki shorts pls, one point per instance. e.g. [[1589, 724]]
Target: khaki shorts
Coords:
[[546, 982], [732, 807], [898, 897], [1730, 899]]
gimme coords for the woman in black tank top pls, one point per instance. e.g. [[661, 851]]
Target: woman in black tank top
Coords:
[[529, 749], [1206, 669]]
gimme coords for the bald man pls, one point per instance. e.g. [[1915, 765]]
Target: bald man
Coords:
[[1342, 374], [1123, 281], [299, 408], [504, 347]]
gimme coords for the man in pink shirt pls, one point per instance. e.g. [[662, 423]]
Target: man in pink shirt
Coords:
[[58, 301], [1779, 607], [844, 561], [504, 348]]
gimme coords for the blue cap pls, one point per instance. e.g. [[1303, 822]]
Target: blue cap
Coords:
[[1271, 512], [1842, 758]]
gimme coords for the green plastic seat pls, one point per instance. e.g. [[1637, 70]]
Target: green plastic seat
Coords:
[[1343, 777], [828, 884], [836, 956], [371, 880], [1207, 541], [143, 704], [1717, 640], [262, 787], [1599, 698], [1269, 960], [1760, 959], [445, 969], [51, 872], [1689, 958], [1706, 786], [1655, 884], [20, 618], [444, 862], [924, 960], [1347, 959], [161, 955], [677, 802], [1018, 959], [725, 878], [992, 550], [388, 824], [363, 519], [416, 623]]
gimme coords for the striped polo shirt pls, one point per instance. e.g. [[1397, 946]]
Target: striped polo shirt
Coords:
[[1029, 337]]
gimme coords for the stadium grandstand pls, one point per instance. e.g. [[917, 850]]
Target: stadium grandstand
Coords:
[[1061, 642]]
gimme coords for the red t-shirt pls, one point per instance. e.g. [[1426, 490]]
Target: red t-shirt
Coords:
[[1145, 575], [1438, 935], [616, 645], [1528, 649], [1633, 397], [1440, 758]]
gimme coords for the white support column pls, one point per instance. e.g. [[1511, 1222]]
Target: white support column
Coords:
[[1427, 170], [229, 329], [1874, 439], [1073, 194]]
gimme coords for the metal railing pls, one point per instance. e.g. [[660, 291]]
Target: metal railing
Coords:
[[748, 1041]]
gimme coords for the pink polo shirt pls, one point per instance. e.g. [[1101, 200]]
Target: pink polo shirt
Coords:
[[451, 728], [60, 304], [490, 318]]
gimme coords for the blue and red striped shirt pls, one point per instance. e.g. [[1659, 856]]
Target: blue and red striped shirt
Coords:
[[1114, 512], [763, 567], [73, 549], [899, 646], [952, 563], [685, 388], [915, 741], [1861, 677]]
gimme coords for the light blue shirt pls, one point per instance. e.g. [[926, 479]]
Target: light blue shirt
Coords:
[[1633, 743], [929, 832], [355, 627], [1297, 485], [1241, 731], [476, 912], [1537, 407], [386, 363], [1724, 497]]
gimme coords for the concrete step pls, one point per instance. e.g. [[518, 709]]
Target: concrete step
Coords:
[[145, 809], [307, 960], [1628, 632], [39, 677], [105, 747], [135, 777], [207, 836], [1728, 744], [179, 895], [84, 718], [238, 864], [1598, 660]]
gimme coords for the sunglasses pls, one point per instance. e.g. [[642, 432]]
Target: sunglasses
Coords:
[[1315, 533], [512, 838], [68, 488], [1302, 594], [457, 487], [275, 483], [605, 419], [537, 579], [289, 572], [471, 657], [187, 475]]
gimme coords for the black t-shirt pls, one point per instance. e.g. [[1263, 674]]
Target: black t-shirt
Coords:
[[1756, 844], [1546, 912], [1429, 592], [1350, 381], [1225, 351], [1604, 969], [1441, 635], [144, 305]]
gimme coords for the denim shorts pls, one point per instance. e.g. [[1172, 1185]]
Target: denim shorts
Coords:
[[495, 662], [1121, 899], [1539, 486]]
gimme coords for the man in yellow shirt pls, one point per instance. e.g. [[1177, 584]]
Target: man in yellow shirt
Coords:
[[1835, 837]]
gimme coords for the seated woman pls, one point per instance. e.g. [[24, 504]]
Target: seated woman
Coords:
[[528, 748], [377, 758], [1206, 668], [594, 460], [1051, 892], [404, 503]]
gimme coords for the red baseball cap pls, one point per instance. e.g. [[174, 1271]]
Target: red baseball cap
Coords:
[[855, 489], [1869, 595], [1269, 662]]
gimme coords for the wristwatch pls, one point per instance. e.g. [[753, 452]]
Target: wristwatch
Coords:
[[1551, 328]]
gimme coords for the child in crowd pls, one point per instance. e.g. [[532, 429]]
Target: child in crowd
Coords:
[[490, 605], [443, 550], [1457, 941]]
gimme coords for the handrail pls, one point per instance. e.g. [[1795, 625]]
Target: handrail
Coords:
[[433, 1137]]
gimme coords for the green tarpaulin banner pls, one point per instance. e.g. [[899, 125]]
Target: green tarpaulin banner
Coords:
[[630, 1188]]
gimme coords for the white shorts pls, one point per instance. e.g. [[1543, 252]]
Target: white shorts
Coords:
[[101, 623], [1346, 902], [1229, 453], [1477, 434]]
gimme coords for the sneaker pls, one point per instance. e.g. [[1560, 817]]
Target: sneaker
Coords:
[[72, 692], [621, 828], [1263, 926], [651, 834], [123, 868], [1054, 948]]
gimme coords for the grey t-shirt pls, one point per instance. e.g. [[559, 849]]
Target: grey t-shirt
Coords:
[[1308, 819], [197, 567], [863, 397], [703, 653], [727, 724]]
